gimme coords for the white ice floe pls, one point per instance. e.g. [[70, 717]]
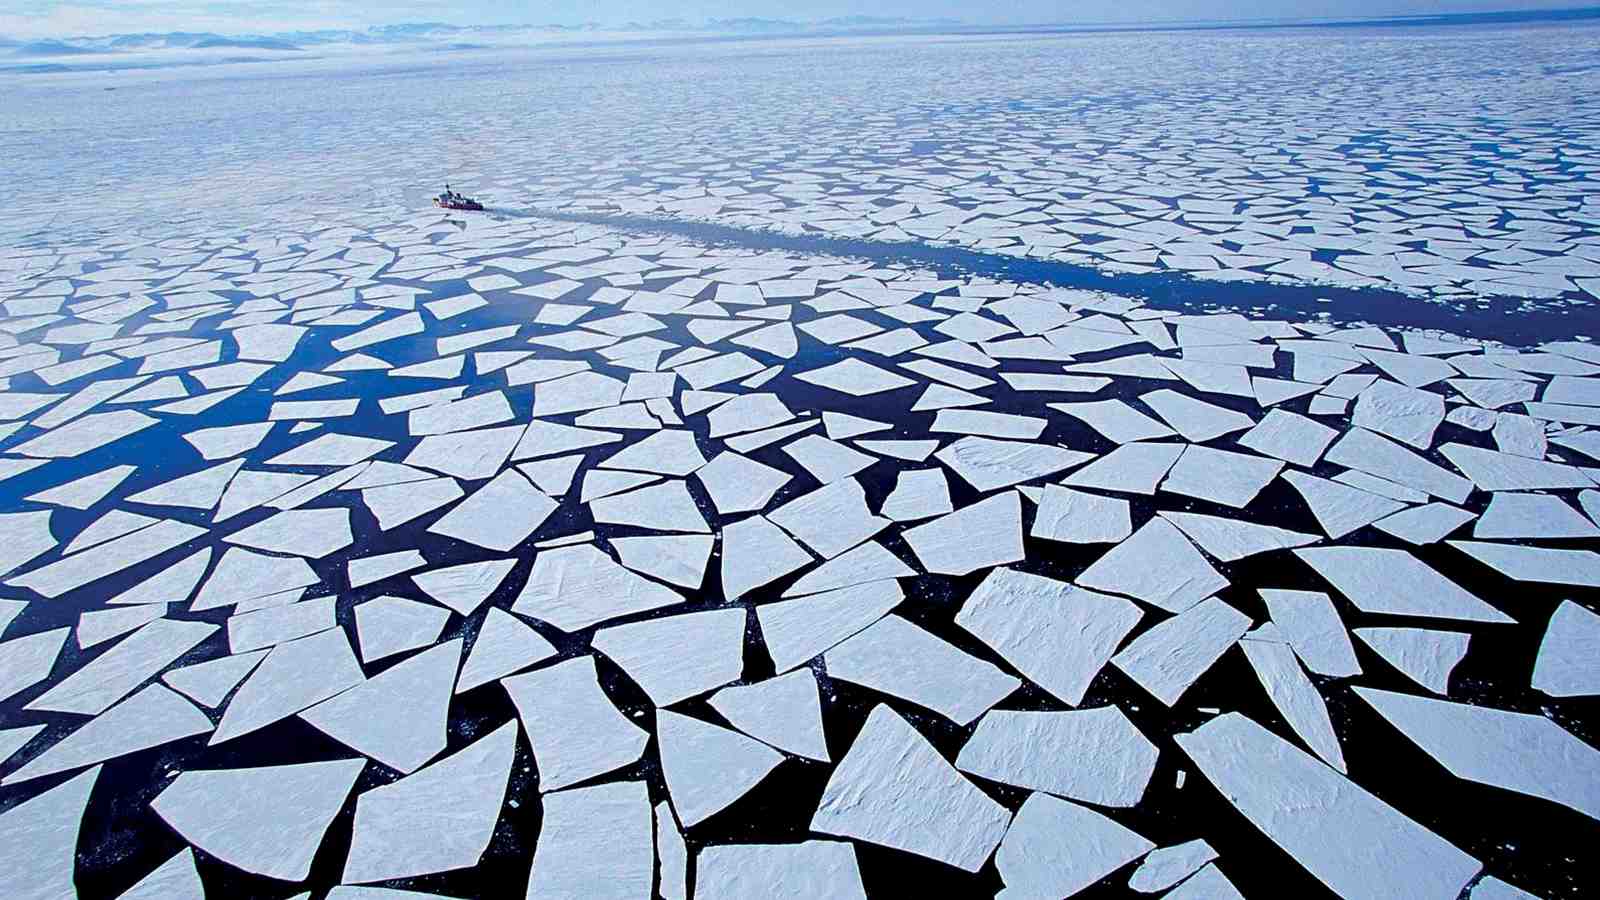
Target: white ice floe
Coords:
[[312, 533], [797, 630], [1167, 866], [1374, 454], [1404, 413], [986, 533], [1292, 438], [1519, 752], [1567, 665], [1158, 565], [1348, 839], [671, 451], [1424, 655], [1207, 884], [1383, 580], [893, 788], [1340, 508], [274, 624], [666, 506], [1233, 539], [1132, 469], [987, 464], [578, 586], [150, 718], [575, 731], [464, 587], [27, 660], [1196, 420], [1060, 636], [831, 519], [437, 819], [268, 820], [675, 559], [827, 461], [1116, 420], [1513, 515], [1170, 657], [1056, 848], [175, 879], [1093, 755], [672, 855], [1491, 470], [500, 515], [785, 712], [1292, 692], [1425, 524], [803, 871], [1311, 625], [595, 843], [898, 658], [295, 675], [109, 677], [398, 717], [39, 840], [676, 657], [1220, 476], [756, 552], [707, 768], [209, 683], [388, 625], [474, 454], [854, 377], [504, 644], [1550, 565], [114, 556]]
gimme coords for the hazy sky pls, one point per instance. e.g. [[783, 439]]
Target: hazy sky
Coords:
[[45, 17]]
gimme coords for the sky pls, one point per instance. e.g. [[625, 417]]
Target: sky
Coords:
[[38, 18]]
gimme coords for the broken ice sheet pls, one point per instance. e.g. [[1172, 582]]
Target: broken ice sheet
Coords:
[[1568, 664], [267, 820], [1167, 866], [1167, 659], [575, 731], [986, 533], [893, 788], [1382, 580], [399, 717], [1056, 848], [39, 840], [1348, 839], [1292, 692], [1093, 755], [706, 767], [784, 711], [595, 843], [900, 659], [1221, 476], [1424, 655], [1057, 634], [436, 819], [676, 657], [1158, 565], [578, 586], [1520, 752], [812, 869], [1311, 625], [987, 464]]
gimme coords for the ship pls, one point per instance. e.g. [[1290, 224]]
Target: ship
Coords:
[[452, 200]]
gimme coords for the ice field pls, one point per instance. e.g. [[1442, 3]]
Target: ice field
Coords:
[[1138, 464]]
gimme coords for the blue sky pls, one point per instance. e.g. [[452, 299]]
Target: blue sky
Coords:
[[44, 17]]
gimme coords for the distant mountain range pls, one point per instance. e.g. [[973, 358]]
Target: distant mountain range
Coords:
[[443, 34]]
